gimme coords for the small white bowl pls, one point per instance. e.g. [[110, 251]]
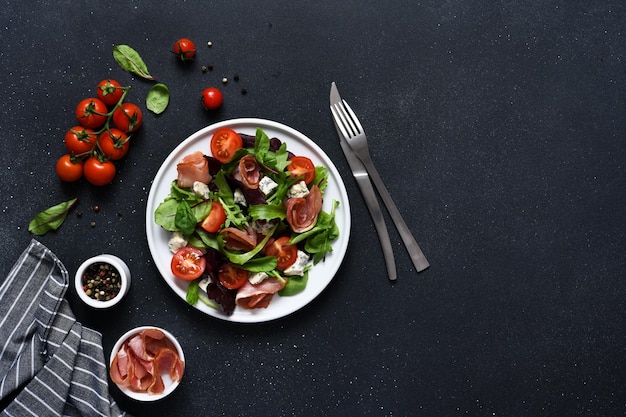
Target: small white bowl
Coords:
[[121, 268], [170, 385]]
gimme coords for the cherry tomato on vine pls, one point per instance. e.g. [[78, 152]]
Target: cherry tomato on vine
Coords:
[[128, 117], [224, 143], [114, 143], [98, 172], [109, 91], [91, 112], [68, 169], [301, 166], [211, 98], [185, 49], [215, 219], [285, 253], [231, 276], [188, 263], [80, 140]]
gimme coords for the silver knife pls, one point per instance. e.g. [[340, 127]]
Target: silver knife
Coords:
[[363, 181]]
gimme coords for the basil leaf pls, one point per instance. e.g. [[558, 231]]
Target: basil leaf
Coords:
[[158, 98], [266, 212], [295, 285], [185, 220], [131, 61], [51, 218], [165, 214]]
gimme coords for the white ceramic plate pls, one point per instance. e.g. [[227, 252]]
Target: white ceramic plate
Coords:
[[319, 276]]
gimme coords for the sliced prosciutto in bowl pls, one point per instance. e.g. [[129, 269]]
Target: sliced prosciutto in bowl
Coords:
[[147, 363]]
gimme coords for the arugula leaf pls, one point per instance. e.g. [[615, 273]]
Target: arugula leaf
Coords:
[[51, 219], [242, 258], [317, 241], [234, 215], [192, 293], [264, 264], [321, 177]]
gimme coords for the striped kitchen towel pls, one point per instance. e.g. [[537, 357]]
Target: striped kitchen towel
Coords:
[[50, 365]]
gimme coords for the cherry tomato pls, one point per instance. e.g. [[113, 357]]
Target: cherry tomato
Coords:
[[211, 98], [215, 219], [110, 92], [128, 117], [114, 143], [185, 49], [285, 253], [68, 169], [98, 172], [302, 166], [79, 140], [91, 112], [188, 263], [231, 276], [224, 143]]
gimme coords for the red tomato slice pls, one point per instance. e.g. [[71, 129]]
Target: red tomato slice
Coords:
[[231, 276], [224, 144], [302, 166], [285, 253], [215, 219], [188, 263]]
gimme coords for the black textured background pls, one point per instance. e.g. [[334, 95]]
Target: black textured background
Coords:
[[498, 128]]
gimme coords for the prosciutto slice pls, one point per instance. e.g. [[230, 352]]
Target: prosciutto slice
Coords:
[[259, 295], [235, 239], [193, 167], [302, 212], [248, 172], [142, 359]]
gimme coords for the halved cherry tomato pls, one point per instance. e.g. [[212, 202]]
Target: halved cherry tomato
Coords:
[[224, 144], [68, 169], [109, 91], [231, 276], [302, 166], [79, 140], [98, 172], [114, 143], [285, 253], [188, 263], [128, 117], [91, 112], [215, 219]]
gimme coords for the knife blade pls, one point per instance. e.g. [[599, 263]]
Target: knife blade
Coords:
[[367, 190]]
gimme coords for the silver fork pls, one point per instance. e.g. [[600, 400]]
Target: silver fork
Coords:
[[353, 132]]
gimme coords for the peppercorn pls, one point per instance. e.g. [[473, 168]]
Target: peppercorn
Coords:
[[101, 281]]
